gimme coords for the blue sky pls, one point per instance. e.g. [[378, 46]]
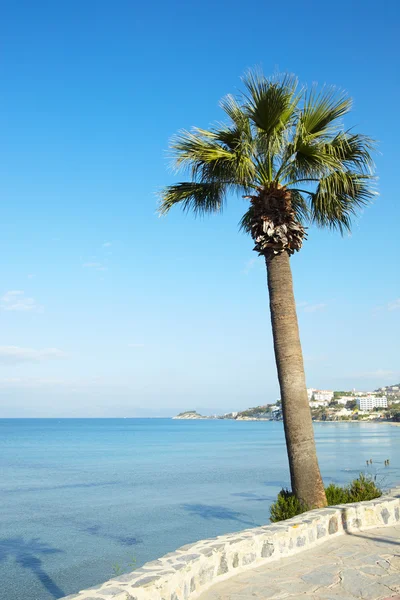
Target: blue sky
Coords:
[[108, 310]]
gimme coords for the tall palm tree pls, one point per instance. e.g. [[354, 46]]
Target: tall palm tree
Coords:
[[286, 152]]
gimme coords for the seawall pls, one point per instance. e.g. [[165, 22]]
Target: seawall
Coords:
[[192, 569]]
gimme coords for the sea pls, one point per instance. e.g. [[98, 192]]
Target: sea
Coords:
[[83, 500]]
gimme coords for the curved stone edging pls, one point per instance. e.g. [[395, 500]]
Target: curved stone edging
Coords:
[[188, 572]]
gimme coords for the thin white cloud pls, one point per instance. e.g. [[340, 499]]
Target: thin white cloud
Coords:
[[107, 244], [15, 300], [94, 265], [377, 374], [31, 275], [311, 308], [49, 382], [30, 382], [249, 266], [394, 305], [12, 355]]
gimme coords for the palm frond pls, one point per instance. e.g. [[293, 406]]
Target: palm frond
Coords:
[[197, 146], [213, 155], [313, 159], [338, 198], [270, 103], [352, 150], [199, 198], [237, 114], [310, 160], [300, 206], [321, 111], [245, 223]]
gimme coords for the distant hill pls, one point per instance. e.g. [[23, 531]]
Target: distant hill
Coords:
[[189, 414], [257, 412]]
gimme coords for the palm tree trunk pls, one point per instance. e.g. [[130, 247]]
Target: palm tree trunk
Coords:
[[304, 470]]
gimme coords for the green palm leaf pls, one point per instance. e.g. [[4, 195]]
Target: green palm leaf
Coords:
[[338, 197], [200, 198], [277, 138], [322, 110], [271, 103]]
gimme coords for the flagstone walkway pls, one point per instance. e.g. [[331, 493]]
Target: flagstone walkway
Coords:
[[364, 565]]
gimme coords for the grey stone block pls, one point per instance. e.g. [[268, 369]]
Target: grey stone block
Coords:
[[153, 565], [206, 552], [189, 558], [178, 566], [235, 541], [301, 541], [235, 561], [333, 525], [217, 547], [144, 581], [223, 565], [385, 515], [267, 549]]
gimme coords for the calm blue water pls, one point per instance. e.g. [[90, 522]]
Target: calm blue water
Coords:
[[81, 495]]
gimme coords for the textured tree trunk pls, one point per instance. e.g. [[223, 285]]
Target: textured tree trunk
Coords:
[[304, 470]]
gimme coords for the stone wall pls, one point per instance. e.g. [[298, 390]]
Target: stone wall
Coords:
[[184, 574]]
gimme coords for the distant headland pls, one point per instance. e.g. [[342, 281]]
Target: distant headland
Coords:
[[259, 413]]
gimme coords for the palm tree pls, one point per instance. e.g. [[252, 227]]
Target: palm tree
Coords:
[[286, 152]]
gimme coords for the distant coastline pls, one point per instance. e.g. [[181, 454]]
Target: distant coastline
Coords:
[[256, 414], [259, 413], [326, 406]]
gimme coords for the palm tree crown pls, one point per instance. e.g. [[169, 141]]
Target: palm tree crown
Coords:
[[284, 150]]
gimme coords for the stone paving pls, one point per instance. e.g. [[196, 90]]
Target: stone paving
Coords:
[[362, 565]]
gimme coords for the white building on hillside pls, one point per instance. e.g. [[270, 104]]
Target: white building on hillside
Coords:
[[344, 399], [371, 402], [323, 395], [317, 403]]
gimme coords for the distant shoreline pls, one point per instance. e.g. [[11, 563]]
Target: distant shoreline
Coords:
[[243, 420]]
